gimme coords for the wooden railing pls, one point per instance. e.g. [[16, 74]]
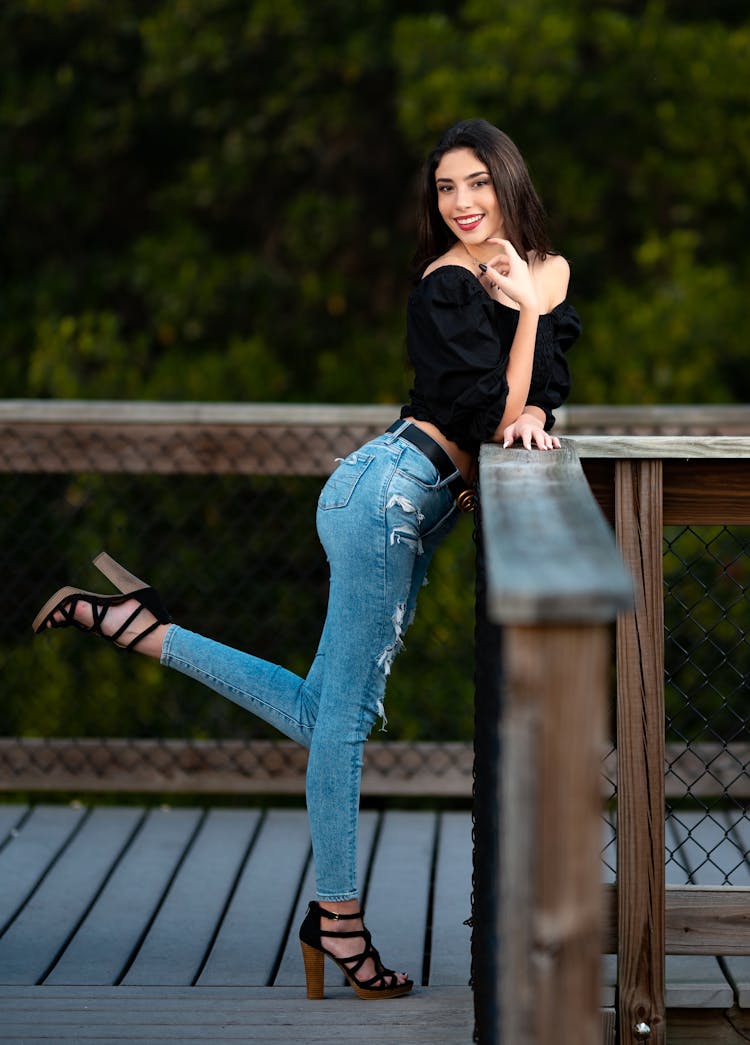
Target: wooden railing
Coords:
[[555, 582], [643, 483]]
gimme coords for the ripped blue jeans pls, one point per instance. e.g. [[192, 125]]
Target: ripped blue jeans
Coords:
[[380, 517]]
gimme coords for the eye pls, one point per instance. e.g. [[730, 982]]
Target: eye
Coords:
[[445, 188], [481, 183]]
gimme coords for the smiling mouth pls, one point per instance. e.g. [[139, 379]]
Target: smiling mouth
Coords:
[[469, 223]]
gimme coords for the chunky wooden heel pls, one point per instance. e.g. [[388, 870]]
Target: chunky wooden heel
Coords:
[[122, 579], [384, 984], [314, 971]]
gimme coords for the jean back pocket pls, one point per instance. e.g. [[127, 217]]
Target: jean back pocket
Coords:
[[341, 484]]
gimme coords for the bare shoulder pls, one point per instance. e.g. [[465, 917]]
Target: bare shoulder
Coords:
[[446, 260], [552, 277]]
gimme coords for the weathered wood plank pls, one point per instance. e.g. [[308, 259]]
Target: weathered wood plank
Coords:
[[27, 856], [661, 447], [708, 1027], [181, 935], [247, 945], [706, 419], [34, 940], [104, 943], [707, 492], [440, 1016], [640, 741], [550, 554], [708, 920], [450, 958]]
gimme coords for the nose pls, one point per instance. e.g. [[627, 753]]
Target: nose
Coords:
[[463, 197]]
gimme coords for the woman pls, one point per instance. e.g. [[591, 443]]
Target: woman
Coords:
[[487, 328]]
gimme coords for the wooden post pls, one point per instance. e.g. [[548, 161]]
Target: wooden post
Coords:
[[640, 756], [556, 692], [555, 580]]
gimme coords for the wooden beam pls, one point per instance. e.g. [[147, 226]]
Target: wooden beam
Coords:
[[640, 743], [555, 581], [550, 924], [223, 767], [698, 919]]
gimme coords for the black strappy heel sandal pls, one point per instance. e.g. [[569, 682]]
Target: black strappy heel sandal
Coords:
[[384, 984], [65, 601]]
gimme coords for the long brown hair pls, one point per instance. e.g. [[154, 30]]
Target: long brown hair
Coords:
[[523, 213]]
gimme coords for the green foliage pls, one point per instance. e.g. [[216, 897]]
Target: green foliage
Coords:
[[213, 199]]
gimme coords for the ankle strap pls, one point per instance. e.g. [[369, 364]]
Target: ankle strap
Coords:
[[336, 917]]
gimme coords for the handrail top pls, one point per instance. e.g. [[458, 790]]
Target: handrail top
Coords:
[[551, 555], [156, 412], [662, 447]]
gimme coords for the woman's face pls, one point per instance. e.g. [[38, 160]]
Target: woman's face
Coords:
[[466, 198]]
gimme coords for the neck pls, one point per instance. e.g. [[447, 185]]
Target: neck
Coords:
[[480, 254]]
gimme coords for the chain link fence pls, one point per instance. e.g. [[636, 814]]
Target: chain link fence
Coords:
[[707, 651], [215, 506], [225, 530], [707, 685]]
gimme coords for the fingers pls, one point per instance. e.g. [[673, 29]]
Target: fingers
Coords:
[[531, 436]]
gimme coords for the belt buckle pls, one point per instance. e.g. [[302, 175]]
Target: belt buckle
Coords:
[[467, 500]]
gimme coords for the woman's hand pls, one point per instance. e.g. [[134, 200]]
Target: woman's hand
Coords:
[[508, 272], [530, 432]]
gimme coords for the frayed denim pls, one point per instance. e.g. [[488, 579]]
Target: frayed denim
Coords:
[[380, 517]]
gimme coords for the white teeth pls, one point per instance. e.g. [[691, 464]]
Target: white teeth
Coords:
[[468, 221]]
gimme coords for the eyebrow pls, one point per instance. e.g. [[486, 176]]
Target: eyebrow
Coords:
[[468, 177]]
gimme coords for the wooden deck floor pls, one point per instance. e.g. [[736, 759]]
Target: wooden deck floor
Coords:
[[122, 923]]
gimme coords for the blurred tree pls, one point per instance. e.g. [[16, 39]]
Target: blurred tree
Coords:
[[213, 199], [634, 118]]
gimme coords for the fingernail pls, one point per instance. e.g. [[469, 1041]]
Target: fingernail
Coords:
[[506, 444], [482, 267]]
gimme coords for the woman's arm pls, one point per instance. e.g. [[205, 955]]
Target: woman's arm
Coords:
[[549, 282]]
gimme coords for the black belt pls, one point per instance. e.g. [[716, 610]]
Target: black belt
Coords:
[[464, 496]]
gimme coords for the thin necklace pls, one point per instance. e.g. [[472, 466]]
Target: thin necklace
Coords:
[[482, 267]]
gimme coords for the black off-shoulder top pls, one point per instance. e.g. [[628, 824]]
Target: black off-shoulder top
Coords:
[[459, 339]]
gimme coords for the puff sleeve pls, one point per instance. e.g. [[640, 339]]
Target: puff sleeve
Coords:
[[459, 357], [550, 379]]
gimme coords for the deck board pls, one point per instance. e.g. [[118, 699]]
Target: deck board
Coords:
[[439, 1016], [246, 947], [33, 849], [35, 938], [401, 876], [182, 932], [104, 943], [450, 954]]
